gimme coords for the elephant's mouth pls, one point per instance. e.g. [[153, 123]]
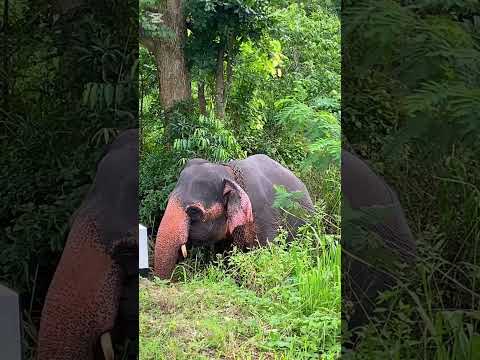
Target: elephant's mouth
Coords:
[[212, 245], [208, 234], [106, 345]]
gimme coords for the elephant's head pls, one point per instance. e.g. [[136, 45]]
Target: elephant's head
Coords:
[[99, 259], [205, 207]]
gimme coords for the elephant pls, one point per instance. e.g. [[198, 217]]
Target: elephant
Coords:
[[364, 190], [93, 296], [229, 203]]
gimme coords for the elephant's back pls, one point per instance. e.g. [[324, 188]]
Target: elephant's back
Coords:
[[363, 189], [361, 186], [260, 173], [366, 191], [267, 172]]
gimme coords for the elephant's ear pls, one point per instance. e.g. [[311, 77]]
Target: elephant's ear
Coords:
[[238, 205]]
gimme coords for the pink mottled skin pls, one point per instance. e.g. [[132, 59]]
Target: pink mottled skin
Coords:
[[212, 213], [174, 227], [238, 215], [172, 234], [245, 236], [82, 300], [87, 294]]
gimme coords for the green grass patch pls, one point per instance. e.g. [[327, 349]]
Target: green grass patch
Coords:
[[277, 302]]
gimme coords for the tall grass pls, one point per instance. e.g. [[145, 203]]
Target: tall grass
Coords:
[[301, 280], [315, 285], [433, 313], [286, 298]]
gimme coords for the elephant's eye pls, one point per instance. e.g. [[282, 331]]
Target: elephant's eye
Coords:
[[194, 213]]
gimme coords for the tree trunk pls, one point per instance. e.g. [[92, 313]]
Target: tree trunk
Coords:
[[172, 73], [202, 102], [228, 82], [220, 85]]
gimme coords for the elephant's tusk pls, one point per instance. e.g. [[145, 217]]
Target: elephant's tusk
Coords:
[[184, 250], [107, 347]]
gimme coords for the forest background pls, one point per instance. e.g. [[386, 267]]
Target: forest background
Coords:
[[410, 82], [223, 80]]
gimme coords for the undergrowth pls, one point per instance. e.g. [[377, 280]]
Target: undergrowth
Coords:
[[432, 312], [281, 301]]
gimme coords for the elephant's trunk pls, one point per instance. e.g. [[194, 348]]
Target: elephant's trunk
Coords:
[[82, 300], [172, 234]]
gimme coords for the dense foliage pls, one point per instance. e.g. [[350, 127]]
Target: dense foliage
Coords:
[[284, 101], [411, 84], [69, 86], [281, 91]]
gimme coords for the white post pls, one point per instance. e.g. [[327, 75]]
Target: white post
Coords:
[[10, 325], [142, 247]]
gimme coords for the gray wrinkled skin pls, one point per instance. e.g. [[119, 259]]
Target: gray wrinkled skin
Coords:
[[209, 207], [364, 190], [260, 173], [201, 181]]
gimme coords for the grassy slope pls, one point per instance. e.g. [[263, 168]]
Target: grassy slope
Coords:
[[279, 302]]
